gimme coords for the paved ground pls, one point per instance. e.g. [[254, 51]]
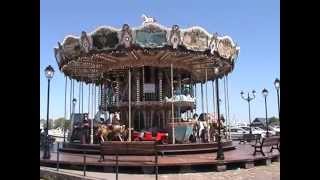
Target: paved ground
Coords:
[[271, 172]]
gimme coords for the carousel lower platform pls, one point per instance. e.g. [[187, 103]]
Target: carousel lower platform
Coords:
[[242, 156], [170, 149]]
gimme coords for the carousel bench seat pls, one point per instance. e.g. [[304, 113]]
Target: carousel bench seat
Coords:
[[273, 141], [250, 137]]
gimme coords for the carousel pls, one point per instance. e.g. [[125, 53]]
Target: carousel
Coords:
[[141, 83]]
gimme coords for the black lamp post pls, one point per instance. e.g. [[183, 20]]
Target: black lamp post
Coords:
[[74, 101], [249, 99], [277, 86], [49, 71], [265, 94], [220, 155]]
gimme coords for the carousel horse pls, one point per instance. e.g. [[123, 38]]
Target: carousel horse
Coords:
[[147, 19], [214, 128], [103, 132], [207, 122], [195, 129], [112, 132], [203, 127]]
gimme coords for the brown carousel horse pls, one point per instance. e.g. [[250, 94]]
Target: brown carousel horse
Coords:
[[214, 127], [112, 132], [103, 132]]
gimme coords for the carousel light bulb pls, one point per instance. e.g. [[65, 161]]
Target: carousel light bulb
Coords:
[[216, 70]]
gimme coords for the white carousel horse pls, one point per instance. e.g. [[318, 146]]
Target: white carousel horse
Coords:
[[147, 19], [207, 122]]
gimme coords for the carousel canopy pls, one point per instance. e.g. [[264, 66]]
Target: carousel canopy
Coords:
[[108, 50]]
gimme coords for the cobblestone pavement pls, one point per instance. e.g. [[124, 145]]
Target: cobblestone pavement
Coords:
[[271, 172]]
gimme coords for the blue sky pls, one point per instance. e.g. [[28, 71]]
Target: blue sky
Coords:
[[254, 25]]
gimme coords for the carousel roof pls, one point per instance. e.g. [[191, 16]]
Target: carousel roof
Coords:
[[108, 50]]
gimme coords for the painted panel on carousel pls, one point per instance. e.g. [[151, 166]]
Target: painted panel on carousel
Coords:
[[126, 36], [226, 48], [86, 42], [59, 54], [71, 47], [213, 43], [151, 36], [236, 54], [105, 38], [196, 39], [175, 38]]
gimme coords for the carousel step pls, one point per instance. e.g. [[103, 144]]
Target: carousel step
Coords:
[[73, 150], [163, 152]]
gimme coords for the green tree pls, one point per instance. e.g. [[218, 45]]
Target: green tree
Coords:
[[274, 121], [45, 123], [60, 122]]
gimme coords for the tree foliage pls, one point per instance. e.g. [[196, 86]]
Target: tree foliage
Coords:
[[45, 123], [274, 120], [60, 122]]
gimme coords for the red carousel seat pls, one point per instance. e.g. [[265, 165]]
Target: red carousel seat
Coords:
[[147, 136]]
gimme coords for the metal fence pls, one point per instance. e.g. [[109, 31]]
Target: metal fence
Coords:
[[84, 155]]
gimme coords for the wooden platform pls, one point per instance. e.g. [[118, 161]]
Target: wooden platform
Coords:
[[166, 148], [241, 156]]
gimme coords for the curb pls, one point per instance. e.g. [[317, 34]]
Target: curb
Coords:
[[49, 174]]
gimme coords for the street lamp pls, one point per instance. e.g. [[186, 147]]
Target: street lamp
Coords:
[[74, 101], [220, 155], [277, 86], [249, 99], [265, 94], [49, 71]]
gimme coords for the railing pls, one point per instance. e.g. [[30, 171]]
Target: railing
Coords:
[[150, 103], [156, 166]]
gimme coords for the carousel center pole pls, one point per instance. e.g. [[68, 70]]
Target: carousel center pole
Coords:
[[129, 79], [172, 110]]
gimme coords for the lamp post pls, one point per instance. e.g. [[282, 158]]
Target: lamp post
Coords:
[[74, 101], [49, 71], [249, 99], [277, 86], [265, 94], [220, 155]]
